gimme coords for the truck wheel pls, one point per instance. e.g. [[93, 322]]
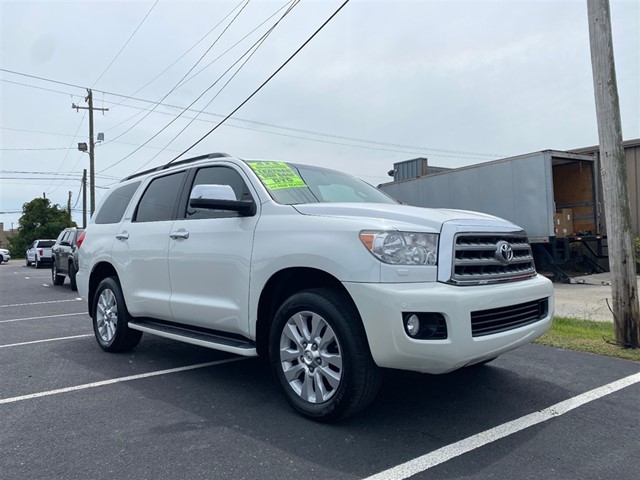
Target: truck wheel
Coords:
[[56, 278], [72, 277], [37, 263], [110, 318], [27, 262], [320, 355]]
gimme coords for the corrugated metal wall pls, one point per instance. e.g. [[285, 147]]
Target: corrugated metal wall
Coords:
[[632, 154]]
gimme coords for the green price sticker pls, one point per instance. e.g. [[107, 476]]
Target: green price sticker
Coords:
[[277, 175]]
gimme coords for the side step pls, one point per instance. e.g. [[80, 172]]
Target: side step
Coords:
[[206, 339]]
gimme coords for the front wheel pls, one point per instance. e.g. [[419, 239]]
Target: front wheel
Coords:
[[110, 318], [320, 355], [72, 277]]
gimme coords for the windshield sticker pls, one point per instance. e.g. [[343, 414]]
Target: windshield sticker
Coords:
[[277, 175]]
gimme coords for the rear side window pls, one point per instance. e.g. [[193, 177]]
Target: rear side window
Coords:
[[116, 203], [46, 243], [159, 200]]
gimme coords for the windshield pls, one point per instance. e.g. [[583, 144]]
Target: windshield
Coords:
[[292, 184]]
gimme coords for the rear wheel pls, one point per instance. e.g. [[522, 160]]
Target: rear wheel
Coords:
[[320, 355], [110, 318], [37, 263], [56, 278]]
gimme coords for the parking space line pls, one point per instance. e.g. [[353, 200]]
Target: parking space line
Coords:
[[41, 303], [118, 380], [46, 340], [444, 454], [45, 316]]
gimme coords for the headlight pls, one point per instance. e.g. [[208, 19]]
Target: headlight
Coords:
[[402, 248]]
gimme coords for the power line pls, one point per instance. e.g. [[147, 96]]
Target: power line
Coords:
[[67, 154], [250, 53], [125, 44], [174, 62], [424, 149], [263, 83], [156, 104], [31, 149]]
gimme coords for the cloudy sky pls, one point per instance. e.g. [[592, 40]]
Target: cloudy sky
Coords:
[[384, 81]]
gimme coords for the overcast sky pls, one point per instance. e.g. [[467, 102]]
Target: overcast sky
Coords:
[[385, 81]]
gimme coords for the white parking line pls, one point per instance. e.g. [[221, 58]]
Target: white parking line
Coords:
[[118, 380], [47, 340], [40, 303], [45, 316], [444, 454]]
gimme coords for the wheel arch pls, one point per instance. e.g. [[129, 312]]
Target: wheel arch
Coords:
[[100, 271], [281, 286]]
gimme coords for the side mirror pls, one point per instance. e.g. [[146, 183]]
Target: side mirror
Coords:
[[220, 197]]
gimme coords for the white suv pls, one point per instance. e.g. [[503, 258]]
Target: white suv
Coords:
[[322, 273]]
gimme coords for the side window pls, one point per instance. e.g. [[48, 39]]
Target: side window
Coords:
[[218, 176], [67, 237], [114, 206], [159, 200]]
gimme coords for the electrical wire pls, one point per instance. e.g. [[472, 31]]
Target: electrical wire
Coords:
[[125, 44], [263, 83], [67, 154], [252, 50], [172, 64], [184, 76], [423, 149]]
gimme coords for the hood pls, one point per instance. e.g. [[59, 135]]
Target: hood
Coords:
[[397, 216]]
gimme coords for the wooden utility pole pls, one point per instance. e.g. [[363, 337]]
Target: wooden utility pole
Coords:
[[613, 166], [84, 198], [92, 173], [69, 203]]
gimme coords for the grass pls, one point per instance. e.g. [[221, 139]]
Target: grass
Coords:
[[586, 336]]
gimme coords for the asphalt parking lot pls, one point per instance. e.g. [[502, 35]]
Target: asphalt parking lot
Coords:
[[170, 410]]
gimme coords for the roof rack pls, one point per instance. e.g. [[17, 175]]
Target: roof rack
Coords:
[[180, 162]]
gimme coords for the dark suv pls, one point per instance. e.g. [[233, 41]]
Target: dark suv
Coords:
[[64, 257]]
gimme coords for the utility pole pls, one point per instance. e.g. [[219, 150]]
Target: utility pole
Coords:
[[84, 198], [92, 173], [69, 204], [613, 166]]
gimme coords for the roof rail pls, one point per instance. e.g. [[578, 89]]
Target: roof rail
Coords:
[[180, 162]]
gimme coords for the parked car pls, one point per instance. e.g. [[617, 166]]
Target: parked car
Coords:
[[64, 257], [39, 253], [5, 255], [325, 275]]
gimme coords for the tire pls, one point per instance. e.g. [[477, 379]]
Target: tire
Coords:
[[56, 278], [1, 259], [110, 318], [319, 353], [37, 263], [72, 277], [28, 263]]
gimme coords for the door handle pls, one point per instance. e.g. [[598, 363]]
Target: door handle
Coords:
[[122, 236], [179, 234]]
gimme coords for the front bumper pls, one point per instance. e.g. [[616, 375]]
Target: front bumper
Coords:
[[381, 306]]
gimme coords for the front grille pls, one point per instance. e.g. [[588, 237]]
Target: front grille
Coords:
[[495, 320], [477, 259]]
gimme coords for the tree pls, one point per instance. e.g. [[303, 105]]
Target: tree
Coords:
[[624, 286], [39, 219]]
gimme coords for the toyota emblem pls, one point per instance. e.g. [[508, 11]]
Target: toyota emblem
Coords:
[[504, 252]]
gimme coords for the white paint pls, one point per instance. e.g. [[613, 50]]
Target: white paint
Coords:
[[46, 340], [444, 454], [40, 303], [45, 316], [116, 380]]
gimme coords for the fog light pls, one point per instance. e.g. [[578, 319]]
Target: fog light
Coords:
[[413, 325]]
